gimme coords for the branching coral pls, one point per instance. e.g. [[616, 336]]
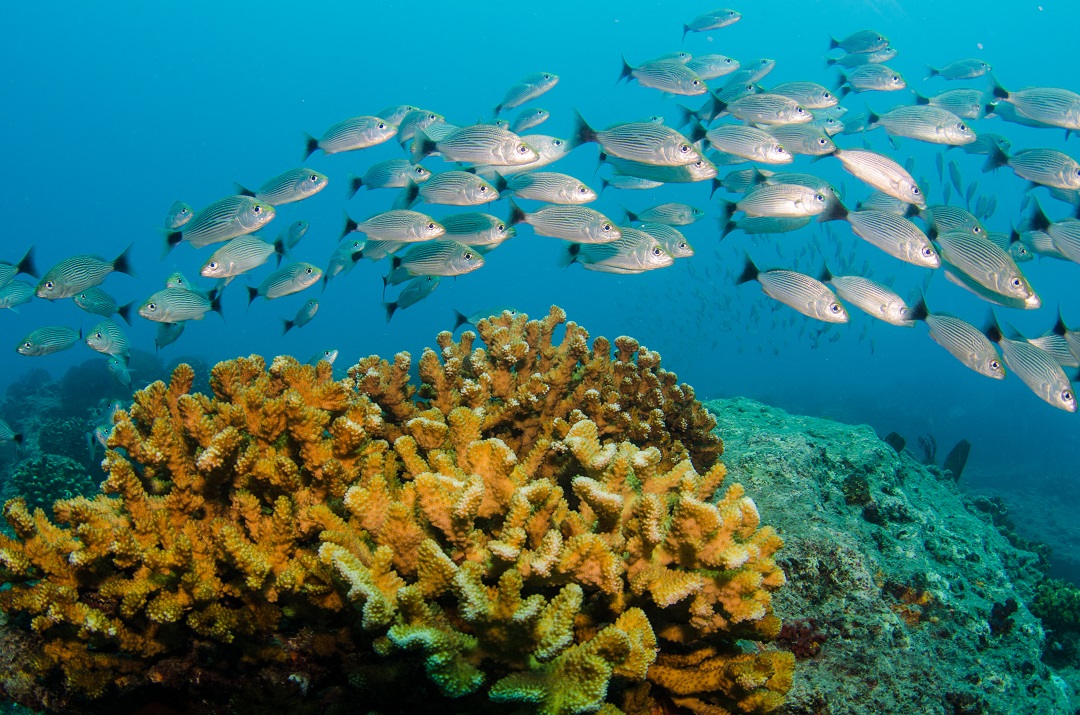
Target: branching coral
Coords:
[[536, 527]]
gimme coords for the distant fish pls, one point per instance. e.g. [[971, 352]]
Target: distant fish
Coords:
[[9, 435], [871, 297], [646, 142], [167, 334], [286, 280], [352, 134], [713, 20], [961, 69], [807, 295], [477, 229], [389, 174], [571, 223], [628, 183], [175, 305], [670, 76], [97, 301], [26, 266], [672, 214], [477, 144], [118, 368], [48, 340], [964, 103], [434, 258], [414, 291], [14, 294], [1036, 368], [238, 256], [528, 89], [870, 78], [223, 219], [291, 186], [860, 42], [400, 225], [550, 187], [474, 318], [303, 316], [342, 260], [634, 252], [529, 118], [863, 58], [290, 235], [963, 340], [177, 215], [108, 338], [328, 356], [709, 67], [72, 275]]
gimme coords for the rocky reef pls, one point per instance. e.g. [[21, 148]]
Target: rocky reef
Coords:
[[539, 525]]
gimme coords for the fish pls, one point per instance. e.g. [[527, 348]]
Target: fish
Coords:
[[809, 95], [1064, 234], [806, 139], [14, 294], [782, 201], [964, 103], [9, 435], [450, 188], [476, 144], [400, 225], [549, 148], [119, 369], [961, 69], [435, 258], [474, 318], [807, 295], [645, 142], [894, 234], [860, 42], [25, 266], [1046, 167], [223, 219], [238, 256], [529, 118], [672, 214], [416, 120], [550, 187], [303, 316], [873, 298], [758, 225], [178, 280], [108, 338], [1036, 368], [1049, 106], [292, 186], [750, 73], [48, 340], [882, 173], [414, 291], [986, 142], [290, 235], [394, 114], [528, 89], [350, 135], [766, 109], [670, 76], [701, 170], [389, 174], [174, 305], [286, 280], [634, 252], [670, 239], [712, 20], [986, 264], [628, 183], [343, 259], [712, 66], [97, 301], [477, 229], [178, 215], [933, 125], [943, 218], [77, 273], [329, 356], [749, 143], [863, 58], [167, 334], [870, 78], [963, 340], [579, 224]]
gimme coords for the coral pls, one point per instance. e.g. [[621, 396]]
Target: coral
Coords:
[[1057, 605], [1001, 617], [801, 637], [535, 527], [66, 437], [45, 479]]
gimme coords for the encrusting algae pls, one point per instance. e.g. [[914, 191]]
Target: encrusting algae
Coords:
[[535, 527]]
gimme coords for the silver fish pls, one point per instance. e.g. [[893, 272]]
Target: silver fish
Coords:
[[1048, 105], [986, 264], [474, 318], [672, 214], [48, 340], [26, 266], [768, 109], [352, 134], [303, 316], [477, 144], [782, 201], [628, 183], [571, 223], [550, 150], [749, 73], [858, 59], [963, 340], [108, 338], [239, 256], [414, 291], [882, 173], [712, 20], [809, 95], [400, 225], [893, 234], [634, 252], [700, 170], [173, 305], [807, 295], [763, 225], [749, 143], [806, 139], [325, 355], [868, 78], [414, 121], [477, 229], [671, 76], [177, 215], [167, 334], [1036, 369], [528, 89], [291, 234], [550, 187], [389, 174], [942, 218], [961, 69], [95, 300], [1057, 347], [450, 188], [712, 66], [225, 218], [286, 280], [964, 103], [986, 142], [860, 42], [435, 258], [119, 369], [14, 294], [670, 238], [1064, 234], [1047, 167], [924, 123], [645, 142], [75, 274], [396, 113], [289, 187], [529, 118], [871, 297], [343, 259]]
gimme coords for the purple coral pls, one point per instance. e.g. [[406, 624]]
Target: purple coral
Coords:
[[801, 637]]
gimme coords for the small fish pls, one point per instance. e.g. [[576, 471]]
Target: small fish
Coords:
[[303, 316], [806, 139], [871, 297], [238, 256], [871, 78], [858, 59], [119, 369], [943, 218], [25, 266], [1046, 167], [291, 235], [550, 187], [670, 76], [450, 188], [343, 259], [178, 215], [750, 73], [807, 94], [766, 109], [645, 142], [167, 334], [987, 265], [95, 300], [225, 218], [782, 201], [75, 274], [670, 239], [389, 174], [528, 89], [712, 66], [700, 170], [672, 214], [174, 305], [414, 121], [550, 150], [1036, 369], [986, 142], [860, 42], [807, 295], [9, 435], [893, 234], [108, 338], [476, 144], [400, 225], [473, 319], [477, 229], [763, 225], [963, 340], [634, 252], [882, 173], [14, 294], [286, 280], [749, 143], [964, 103], [178, 280], [628, 183], [961, 69], [323, 356], [352, 134], [289, 187], [435, 258], [48, 340], [713, 20], [414, 291], [579, 224], [1050, 106], [396, 113], [924, 123], [529, 118]]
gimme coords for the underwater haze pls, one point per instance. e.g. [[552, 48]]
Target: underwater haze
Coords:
[[116, 110]]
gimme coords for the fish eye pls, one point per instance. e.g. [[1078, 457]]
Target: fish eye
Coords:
[[419, 170], [431, 226], [895, 78], [800, 110], [307, 270], [432, 117], [49, 285], [781, 150], [28, 344], [522, 149], [151, 306], [97, 335], [928, 251], [381, 125], [962, 127], [880, 39], [582, 190], [915, 190], [834, 308], [1066, 396], [826, 95], [822, 141], [468, 255], [605, 227], [547, 76], [684, 148], [695, 82], [501, 227], [1016, 282], [256, 209], [314, 177], [557, 142], [483, 189], [995, 365], [656, 251]]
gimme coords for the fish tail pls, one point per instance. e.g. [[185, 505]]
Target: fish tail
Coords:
[[1059, 328], [1038, 220], [353, 184], [325, 281], [583, 133], [686, 115], [18, 437], [685, 29], [26, 264], [253, 293], [726, 227], [713, 108], [286, 325], [833, 43], [516, 214], [122, 263], [697, 132], [996, 89], [996, 159], [171, 239], [749, 273], [872, 119], [826, 275], [499, 182], [604, 183], [459, 319], [727, 210], [932, 72], [630, 215], [919, 311], [570, 255], [241, 190], [391, 308], [829, 62], [717, 183], [350, 226], [215, 301], [310, 145], [835, 211], [992, 329], [124, 311], [919, 99], [408, 195], [422, 146], [280, 249], [626, 73]]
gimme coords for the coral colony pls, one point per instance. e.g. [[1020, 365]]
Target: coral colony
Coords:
[[536, 527]]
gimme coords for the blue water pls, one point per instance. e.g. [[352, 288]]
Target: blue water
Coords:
[[114, 111]]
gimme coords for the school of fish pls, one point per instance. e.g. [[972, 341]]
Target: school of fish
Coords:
[[442, 222]]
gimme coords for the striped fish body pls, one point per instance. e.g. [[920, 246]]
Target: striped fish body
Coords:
[[806, 139], [670, 238], [291, 186], [236, 257], [287, 280], [1040, 372], [1047, 167], [528, 89], [414, 121], [986, 264], [436, 258], [873, 298], [529, 118], [48, 340], [394, 114], [648, 143], [750, 73], [967, 344], [178, 215], [701, 170], [174, 305], [457, 188], [344, 257], [964, 103], [922, 122], [77, 273], [1065, 236], [782, 201], [961, 69], [1041, 243], [764, 225], [749, 143], [895, 235], [352, 134], [378, 250], [874, 77], [807, 295], [858, 59], [477, 144], [95, 300], [769, 109], [477, 229], [709, 67], [1048, 105], [393, 174], [878, 201], [942, 219], [635, 251], [401, 225], [550, 187], [117, 367], [882, 173], [672, 214], [108, 338], [579, 224], [225, 218], [1058, 348], [550, 149], [414, 291], [291, 234], [628, 183], [809, 95], [713, 20], [861, 42], [16, 293], [963, 280], [167, 334], [671, 76]]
